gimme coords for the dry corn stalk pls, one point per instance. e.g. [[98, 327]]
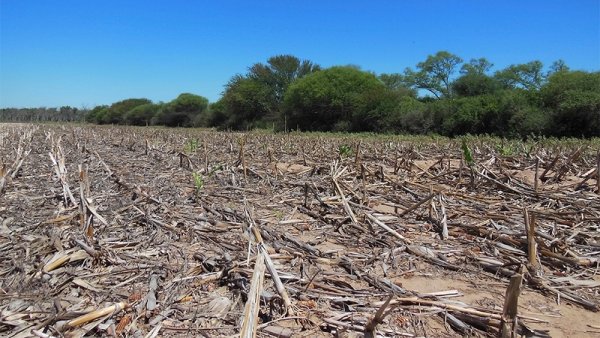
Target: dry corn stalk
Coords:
[[336, 173], [58, 160], [250, 320], [388, 229], [63, 257], [3, 174], [88, 317]]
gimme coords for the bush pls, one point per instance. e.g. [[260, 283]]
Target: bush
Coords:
[[182, 111], [141, 115], [572, 99], [116, 112], [335, 98]]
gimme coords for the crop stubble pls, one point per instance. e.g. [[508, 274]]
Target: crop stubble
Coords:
[[106, 231]]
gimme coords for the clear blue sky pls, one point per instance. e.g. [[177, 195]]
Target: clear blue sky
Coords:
[[89, 52]]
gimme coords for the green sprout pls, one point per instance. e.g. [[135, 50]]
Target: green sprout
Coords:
[[191, 146], [467, 153], [345, 150], [198, 181]]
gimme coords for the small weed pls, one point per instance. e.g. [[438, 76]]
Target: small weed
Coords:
[[506, 148], [345, 150], [191, 146], [198, 181], [214, 169], [467, 153]]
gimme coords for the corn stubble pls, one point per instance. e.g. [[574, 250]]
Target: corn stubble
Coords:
[[142, 232]]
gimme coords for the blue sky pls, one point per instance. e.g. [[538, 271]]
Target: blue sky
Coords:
[[86, 53]]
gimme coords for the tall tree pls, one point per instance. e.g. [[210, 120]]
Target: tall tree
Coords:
[[397, 82], [435, 73], [280, 71], [256, 98], [476, 66], [474, 79], [245, 103], [528, 76], [558, 66], [473, 84], [573, 101]]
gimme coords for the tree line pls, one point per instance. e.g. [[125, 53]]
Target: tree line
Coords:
[[443, 94], [43, 114]]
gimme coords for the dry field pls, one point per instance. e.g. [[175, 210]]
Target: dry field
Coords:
[[118, 231]]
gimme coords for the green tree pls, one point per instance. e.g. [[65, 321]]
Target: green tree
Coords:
[[245, 103], [474, 83], [279, 72], [558, 66], [116, 112], [527, 76], [141, 115], [476, 66], [256, 99], [337, 98], [97, 114], [182, 111], [573, 101], [216, 116], [434, 74]]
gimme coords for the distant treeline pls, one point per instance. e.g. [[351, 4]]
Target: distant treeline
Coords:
[[62, 114], [442, 94]]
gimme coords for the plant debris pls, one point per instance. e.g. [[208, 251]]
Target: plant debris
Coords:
[[121, 231]]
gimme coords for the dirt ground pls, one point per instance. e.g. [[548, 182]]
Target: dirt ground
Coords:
[[122, 231]]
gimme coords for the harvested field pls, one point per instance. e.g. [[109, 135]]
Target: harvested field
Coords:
[[120, 231]]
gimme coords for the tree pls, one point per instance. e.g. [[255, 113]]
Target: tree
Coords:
[[116, 112], [476, 66], [216, 115], [182, 111], [337, 98], [256, 99], [97, 114], [527, 76], [558, 66], [474, 83], [141, 115], [573, 101], [245, 103], [397, 82], [279, 72], [67, 113], [435, 73]]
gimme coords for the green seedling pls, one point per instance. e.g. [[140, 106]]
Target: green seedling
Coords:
[[214, 169], [198, 181], [345, 150], [467, 153], [191, 146]]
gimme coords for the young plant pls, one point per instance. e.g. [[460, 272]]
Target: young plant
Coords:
[[467, 153], [191, 146], [215, 169], [198, 181], [505, 148], [345, 150]]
